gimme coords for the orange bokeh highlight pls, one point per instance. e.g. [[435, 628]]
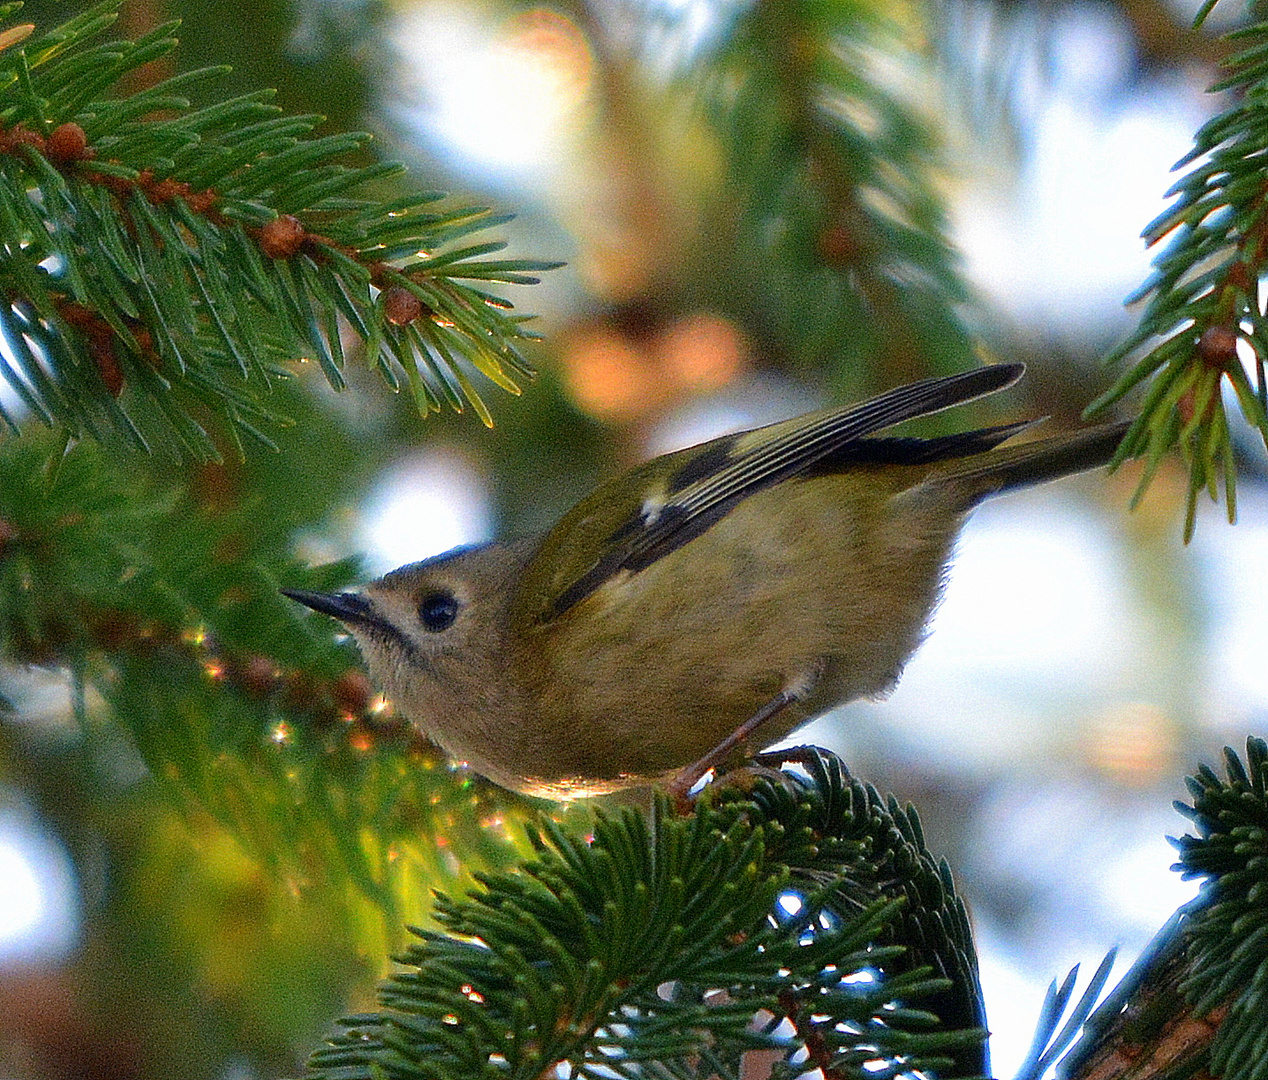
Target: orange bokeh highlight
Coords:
[[621, 376]]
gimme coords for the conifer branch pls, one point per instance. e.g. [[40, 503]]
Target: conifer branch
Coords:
[[832, 190], [160, 272], [662, 948], [1195, 1002], [162, 600], [1202, 303]]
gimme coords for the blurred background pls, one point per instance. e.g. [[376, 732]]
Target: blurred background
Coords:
[[764, 206]]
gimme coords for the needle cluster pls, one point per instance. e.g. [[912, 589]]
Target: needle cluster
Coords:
[[165, 264]]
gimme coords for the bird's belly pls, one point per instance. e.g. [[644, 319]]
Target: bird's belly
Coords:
[[667, 662]]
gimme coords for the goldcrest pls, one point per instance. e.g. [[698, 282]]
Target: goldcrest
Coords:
[[731, 590]]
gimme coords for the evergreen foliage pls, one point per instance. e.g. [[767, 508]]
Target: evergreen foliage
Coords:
[[162, 599], [1049, 1042], [663, 949], [832, 190], [1195, 1002], [1227, 961], [162, 263], [1202, 302]]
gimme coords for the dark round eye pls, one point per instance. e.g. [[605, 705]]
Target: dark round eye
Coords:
[[438, 610]]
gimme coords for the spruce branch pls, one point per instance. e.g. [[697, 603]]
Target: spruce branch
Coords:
[[775, 918], [163, 264], [1195, 1002], [161, 600], [1049, 1042], [834, 177], [1202, 305]]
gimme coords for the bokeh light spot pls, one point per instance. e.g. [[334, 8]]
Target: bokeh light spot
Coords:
[[505, 99], [423, 506], [39, 907]]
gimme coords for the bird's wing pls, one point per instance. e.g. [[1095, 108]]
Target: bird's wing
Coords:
[[722, 472]]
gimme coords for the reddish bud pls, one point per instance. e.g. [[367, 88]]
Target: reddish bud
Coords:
[[1241, 278], [352, 691], [258, 676], [281, 238], [200, 202], [144, 342], [24, 136], [361, 738], [1217, 347], [109, 369], [67, 144], [165, 191], [837, 246], [401, 306], [77, 314]]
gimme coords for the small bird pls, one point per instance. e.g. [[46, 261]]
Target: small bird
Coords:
[[728, 591]]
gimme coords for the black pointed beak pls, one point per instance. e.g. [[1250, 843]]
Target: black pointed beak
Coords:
[[347, 607]]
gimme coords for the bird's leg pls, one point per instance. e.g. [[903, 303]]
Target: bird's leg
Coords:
[[680, 786]]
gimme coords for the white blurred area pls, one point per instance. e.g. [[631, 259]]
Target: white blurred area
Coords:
[[39, 898], [1057, 245], [427, 504], [504, 99]]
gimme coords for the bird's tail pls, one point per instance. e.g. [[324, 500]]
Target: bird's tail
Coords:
[[1009, 467]]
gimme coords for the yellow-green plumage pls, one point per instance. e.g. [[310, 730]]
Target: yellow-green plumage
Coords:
[[674, 602]]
